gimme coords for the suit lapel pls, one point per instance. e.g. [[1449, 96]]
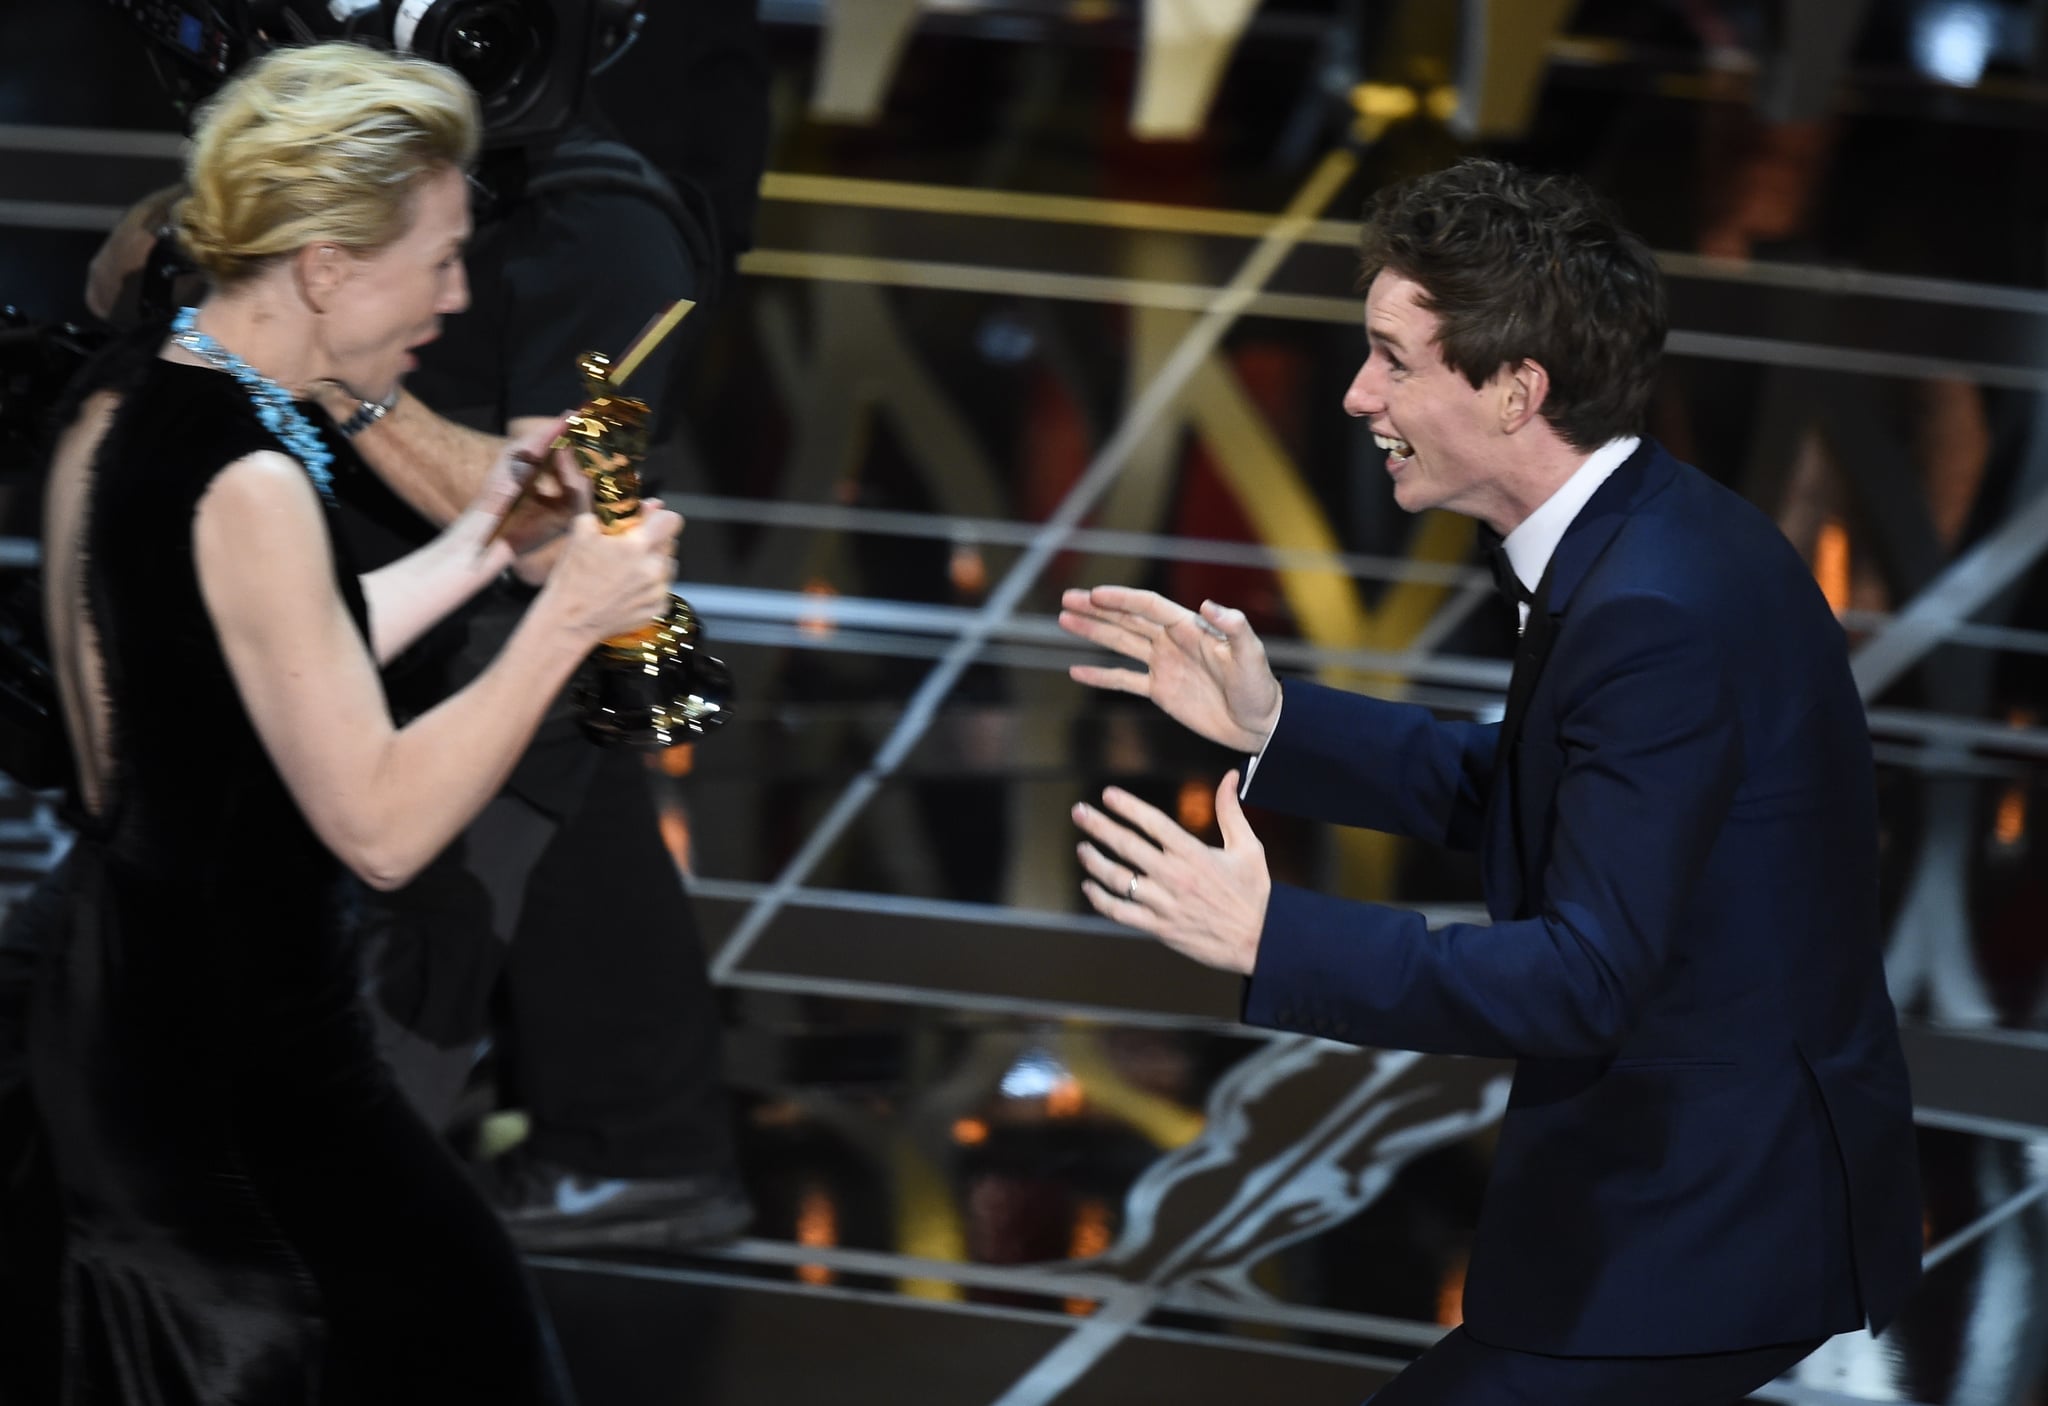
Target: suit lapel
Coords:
[[1510, 876]]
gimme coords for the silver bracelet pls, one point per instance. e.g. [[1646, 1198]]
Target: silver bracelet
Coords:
[[368, 413]]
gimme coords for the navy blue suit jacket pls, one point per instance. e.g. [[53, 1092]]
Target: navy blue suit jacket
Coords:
[[1709, 1145]]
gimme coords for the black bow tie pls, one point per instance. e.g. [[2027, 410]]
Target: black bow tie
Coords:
[[1504, 579]]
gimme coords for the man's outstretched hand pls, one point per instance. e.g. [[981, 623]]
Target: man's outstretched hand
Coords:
[[1205, 669], [1204, 901]]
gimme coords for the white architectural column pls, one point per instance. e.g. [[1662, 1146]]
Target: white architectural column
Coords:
[[1187, 45], [864, 41], [1505, 51]]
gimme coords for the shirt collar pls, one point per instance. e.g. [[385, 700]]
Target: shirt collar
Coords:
[[1530, 546]]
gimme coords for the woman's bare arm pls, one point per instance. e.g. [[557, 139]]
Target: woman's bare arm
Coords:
[[386, 799], [407, 597]]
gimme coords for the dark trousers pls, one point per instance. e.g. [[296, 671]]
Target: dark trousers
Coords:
[[1462, 1371], [567, 935]]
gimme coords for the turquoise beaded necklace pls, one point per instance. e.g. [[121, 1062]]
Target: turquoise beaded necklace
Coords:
[[274, 405]]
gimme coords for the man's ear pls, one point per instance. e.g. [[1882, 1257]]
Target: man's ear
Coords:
[[322, 269], [1525, 387]]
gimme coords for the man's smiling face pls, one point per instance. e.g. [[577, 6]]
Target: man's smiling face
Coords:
[[1442, 436]]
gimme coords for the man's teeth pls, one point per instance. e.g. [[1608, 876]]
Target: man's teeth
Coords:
[[1398, 447]]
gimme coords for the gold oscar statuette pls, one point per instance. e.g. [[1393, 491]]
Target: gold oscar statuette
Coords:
[[655, 687]]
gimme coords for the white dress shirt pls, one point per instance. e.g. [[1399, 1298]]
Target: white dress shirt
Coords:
[[1531, 545]]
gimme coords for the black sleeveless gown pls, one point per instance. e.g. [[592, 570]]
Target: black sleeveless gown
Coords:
[[250, 1212]]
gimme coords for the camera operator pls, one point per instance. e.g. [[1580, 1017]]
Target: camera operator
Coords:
[[557, 928]]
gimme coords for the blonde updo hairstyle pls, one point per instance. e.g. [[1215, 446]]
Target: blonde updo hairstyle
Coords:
[[322, 144]]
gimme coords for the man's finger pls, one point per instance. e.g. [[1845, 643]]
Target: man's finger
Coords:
[[1094, 600], [1237, 831], [1124, 620], [1161, 827], [1146, 605], [1192, 633], [1120, 910], [1115, 680], [1103, 869], [1229, 623], [1108, 634], [1126, 844]]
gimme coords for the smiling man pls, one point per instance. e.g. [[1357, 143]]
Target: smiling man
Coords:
[[1707, 1164]]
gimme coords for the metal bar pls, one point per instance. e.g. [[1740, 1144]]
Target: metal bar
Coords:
[[990, 914], [1983, 1225], [1300, 1352], [1963, 588], [680, 1274], [1771, 351], [855, 192], [1093, 1340], [1977, 1125], [2003, 638], [1955, 731], [906, 906], [948, 277], [795, 984], [91, 141], [1125, 292], [57, 214], [797, 188], [1857, 283], [1793, 1394], [1191, 1298], [1054, 1280], [1000, 532]]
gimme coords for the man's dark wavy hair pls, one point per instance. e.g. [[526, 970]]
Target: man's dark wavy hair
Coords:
[[1518, 266]]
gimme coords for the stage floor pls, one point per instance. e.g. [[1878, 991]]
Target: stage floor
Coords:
[[957, 1206]]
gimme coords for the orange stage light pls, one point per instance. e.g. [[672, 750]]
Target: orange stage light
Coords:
[[1831, 564], [817, 1226]]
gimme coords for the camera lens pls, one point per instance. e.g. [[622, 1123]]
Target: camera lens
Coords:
[[499, 46], [486, 46]]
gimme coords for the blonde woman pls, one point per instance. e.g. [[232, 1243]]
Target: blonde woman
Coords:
[[251, 1214]]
